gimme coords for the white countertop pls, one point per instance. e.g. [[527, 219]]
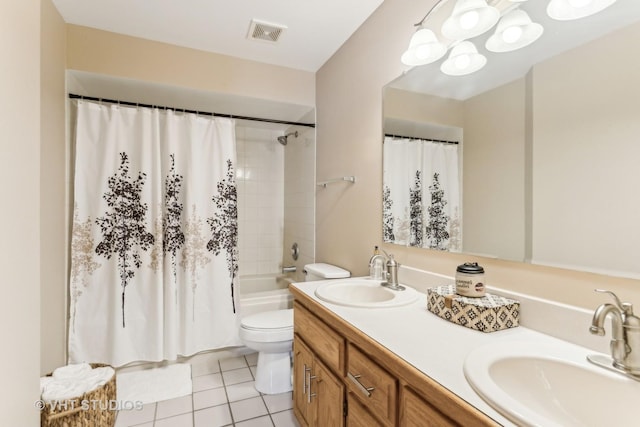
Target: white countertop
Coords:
[[433, 345]]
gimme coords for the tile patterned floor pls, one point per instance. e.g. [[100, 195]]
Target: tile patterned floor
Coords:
[[223, 395]]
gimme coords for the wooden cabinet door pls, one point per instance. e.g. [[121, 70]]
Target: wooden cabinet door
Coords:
[[358, 416], [302, 371], [415, 412], [328, 398]]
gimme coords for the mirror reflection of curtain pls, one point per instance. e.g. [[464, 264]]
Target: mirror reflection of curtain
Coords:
[[422, 194], [154, 239]]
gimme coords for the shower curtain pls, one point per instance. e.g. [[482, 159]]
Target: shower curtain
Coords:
[[422, 194], [154, 255]]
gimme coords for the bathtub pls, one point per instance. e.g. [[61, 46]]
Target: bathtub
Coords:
[[263, 293]]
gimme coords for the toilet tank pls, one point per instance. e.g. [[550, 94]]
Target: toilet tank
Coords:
[[322, 271]]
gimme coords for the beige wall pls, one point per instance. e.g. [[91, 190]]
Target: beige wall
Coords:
[[585, 156], [123, 56], [420, 108], [494, 165], [349, 134], [53, 167], [20, 193], [349, 217]]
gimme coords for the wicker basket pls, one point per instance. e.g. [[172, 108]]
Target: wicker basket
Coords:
[[92, 409]]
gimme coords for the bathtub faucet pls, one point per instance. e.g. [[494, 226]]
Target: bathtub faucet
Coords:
[[289, 269]]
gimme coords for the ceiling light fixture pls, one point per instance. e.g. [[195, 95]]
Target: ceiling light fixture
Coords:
[[566, 10], [514, 31], [424, 48], [464, 59], [469, 18]]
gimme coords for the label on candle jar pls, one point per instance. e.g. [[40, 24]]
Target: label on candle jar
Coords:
[[470, 280]]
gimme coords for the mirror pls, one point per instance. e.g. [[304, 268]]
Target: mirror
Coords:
[[548, 142]]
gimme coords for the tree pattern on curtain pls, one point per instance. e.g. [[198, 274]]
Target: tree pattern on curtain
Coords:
[[224, 225], [173, 236], [168, 233], [455, 238], [438, 224], [415, 212], [194, 251], [387, 216], [124, 233], [83, 263], [123, 228]]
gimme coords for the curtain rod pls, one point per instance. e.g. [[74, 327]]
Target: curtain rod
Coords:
[[442, 141], [201, 113]]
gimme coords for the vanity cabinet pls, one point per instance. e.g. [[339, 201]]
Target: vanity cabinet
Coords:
[[343, 377], [318, 395], [318, 365]]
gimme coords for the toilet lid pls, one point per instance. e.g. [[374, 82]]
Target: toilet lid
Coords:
[[276, 319]]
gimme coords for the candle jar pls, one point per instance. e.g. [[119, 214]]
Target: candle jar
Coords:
[[470, 280]]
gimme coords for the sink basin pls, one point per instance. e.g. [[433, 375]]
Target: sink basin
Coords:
[[536, 384], [364, 293]]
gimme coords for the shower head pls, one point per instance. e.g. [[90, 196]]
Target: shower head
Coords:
[[283, 139]]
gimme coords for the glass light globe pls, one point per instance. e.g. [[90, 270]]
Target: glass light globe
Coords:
[[512, 34], [579, 3], [461, 62], [423, 51], [469, 20]]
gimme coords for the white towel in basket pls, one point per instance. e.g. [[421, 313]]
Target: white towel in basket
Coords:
[[71, 371], [57, 389]]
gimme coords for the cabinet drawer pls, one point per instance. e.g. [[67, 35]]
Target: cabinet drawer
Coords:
[[373, 385], [324, 341]]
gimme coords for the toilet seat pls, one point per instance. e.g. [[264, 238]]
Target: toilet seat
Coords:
[[268, 326]]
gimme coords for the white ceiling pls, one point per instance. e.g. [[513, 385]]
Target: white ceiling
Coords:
[[315, 29]]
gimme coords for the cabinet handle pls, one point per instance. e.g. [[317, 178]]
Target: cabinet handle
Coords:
[[355, 379], [304, 378], [309, 394]]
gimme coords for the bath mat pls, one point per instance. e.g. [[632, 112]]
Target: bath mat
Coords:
[[154, 385]]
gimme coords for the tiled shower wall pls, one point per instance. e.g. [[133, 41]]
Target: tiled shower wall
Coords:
[[260, 180], [276, 199], [299, 198]]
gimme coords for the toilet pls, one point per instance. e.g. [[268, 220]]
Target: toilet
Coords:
[[270, 333]]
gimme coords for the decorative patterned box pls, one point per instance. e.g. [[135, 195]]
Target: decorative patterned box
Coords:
[[487, 314]]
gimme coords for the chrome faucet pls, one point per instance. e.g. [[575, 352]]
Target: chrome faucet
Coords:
[[625, 336], [392, 275], [386, 272], [378, 267]]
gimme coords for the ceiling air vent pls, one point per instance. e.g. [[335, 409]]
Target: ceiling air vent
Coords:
[[265, 31]]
